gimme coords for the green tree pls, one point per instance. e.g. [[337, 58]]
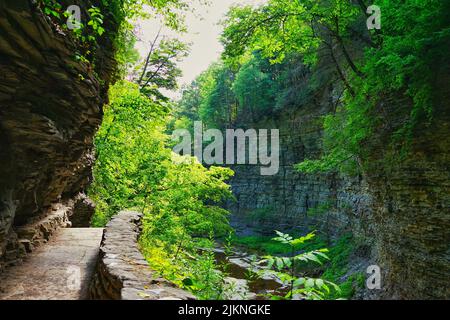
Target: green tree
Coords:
[[372, 66], [159, 70], [135, 168], [282, 27], [219, 107], [285, 269], [209, 98], [256, 87], [414, 41], [179, 197]]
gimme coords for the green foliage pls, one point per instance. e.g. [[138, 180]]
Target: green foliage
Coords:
[[51, 8], [284, 268], [208, 98], [87, 36], [280, 27], [335, 269], [219, 105], [399, 60], [414, 38], [225, 96], [265, 245], [96, 20], [344, 133], [128, 148], [190, 269], [339, 255], [179, 197], [338, 267], [134, 165], [125, 12], [122, 14], [256, 87]]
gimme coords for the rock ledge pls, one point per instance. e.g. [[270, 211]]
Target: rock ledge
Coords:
[[122, 273]]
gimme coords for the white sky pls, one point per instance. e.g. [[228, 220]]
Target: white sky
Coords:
[[203, 33]]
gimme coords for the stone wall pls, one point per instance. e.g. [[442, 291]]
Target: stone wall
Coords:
[[122, 272], [50, 108]]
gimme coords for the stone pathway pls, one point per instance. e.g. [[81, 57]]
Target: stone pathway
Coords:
[[58, 270]]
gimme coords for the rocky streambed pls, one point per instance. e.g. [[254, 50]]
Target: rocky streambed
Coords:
[[244, 280]]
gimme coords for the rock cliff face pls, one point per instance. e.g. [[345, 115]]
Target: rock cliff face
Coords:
[[334, 204], [292, 200], [51, 105], [50, 108], [399, 216], [412, 201]]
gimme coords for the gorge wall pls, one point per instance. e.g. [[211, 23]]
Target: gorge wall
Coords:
[[398, 216], [50, 107], [412, 199], [299, 203], [289, 199]]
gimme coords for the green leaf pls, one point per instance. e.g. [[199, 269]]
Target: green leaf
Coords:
[[299, 282], [188, 282], [309, 283], [319, 283], [279, 263]]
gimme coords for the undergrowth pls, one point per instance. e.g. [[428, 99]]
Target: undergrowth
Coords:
[[335, 270]]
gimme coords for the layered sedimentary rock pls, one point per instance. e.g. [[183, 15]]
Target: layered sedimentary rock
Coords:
[[292, 200], [50, 107], [83, 211], [412, 199], [398, 212]]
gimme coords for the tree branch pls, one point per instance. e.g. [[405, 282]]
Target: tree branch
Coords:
[[144, 71]]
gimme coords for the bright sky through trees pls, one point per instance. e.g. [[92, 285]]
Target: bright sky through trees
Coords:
[[203, 33]]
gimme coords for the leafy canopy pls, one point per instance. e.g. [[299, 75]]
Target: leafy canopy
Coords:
[[180, 198], [373, 67]]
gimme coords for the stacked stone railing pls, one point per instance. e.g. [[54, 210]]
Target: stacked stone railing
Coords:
[[122, 273]]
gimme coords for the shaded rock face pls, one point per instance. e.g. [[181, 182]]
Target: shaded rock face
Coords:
[[412, 202], [50, 108], [400, 216], [294, 201], [83, 211], [299, 203]]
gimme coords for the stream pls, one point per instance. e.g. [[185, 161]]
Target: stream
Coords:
[[240, 283]]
